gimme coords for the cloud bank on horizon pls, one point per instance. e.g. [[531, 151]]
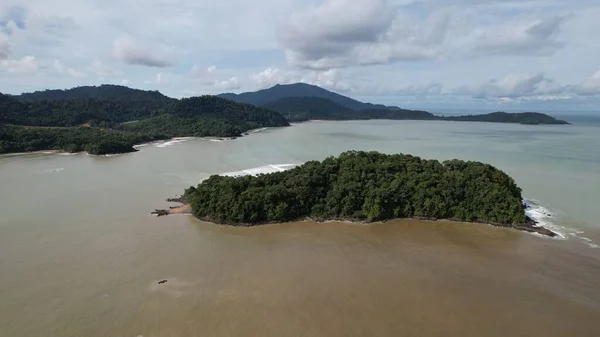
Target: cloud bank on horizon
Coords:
[[459, 53]]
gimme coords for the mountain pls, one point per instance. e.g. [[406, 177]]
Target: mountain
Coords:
[[306, 108], [103, 120], [101, 92], [279, 91]]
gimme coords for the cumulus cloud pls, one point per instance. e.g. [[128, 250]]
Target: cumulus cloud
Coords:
[[329, 79], [4, 47], [541, 37], [591, 86], [340, 33], [514, 86], [159, 79], [60, 69], [26, 65], [211, 77], [230, 84], [430, 89], [198, 72], [101, 70], [133, 51]]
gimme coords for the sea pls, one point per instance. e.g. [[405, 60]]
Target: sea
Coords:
[[80, 254]]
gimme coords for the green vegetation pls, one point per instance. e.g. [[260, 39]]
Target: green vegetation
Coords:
[[299, 109], [74, 139], [530, 118], [301, 102], [111, 119], [366, 186]]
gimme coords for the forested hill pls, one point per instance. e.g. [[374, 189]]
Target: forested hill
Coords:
[[279, 91], [116, 122], [307, 108], [101, 92], [531, 118], [367, 186], [301, 101]]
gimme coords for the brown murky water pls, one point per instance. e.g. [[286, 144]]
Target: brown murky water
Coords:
[[81, 256]]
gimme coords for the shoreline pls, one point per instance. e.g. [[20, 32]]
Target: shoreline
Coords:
[[526, 227], [136, 147]]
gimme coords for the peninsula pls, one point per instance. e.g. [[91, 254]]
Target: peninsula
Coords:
[[365, 186], [110, 119]]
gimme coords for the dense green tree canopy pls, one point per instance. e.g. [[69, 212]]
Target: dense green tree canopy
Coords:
[[111, 119], [363, 186]]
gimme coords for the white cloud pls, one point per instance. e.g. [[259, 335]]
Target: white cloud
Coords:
[[368, 32], [430, 89], [4, 47], [199, 72], [60, 69], [329, 79], [540, 37], [133, 51], [591, 86], [159, 79], [514, 86], [26, 65], [230, 84], [101, 70]]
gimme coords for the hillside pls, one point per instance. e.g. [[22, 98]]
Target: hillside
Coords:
[[307, 108], [301, 102], [102, 92], [529, 118], [279, 91], [98, 125]]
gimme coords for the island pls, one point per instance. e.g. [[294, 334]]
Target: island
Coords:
[[367, 187]]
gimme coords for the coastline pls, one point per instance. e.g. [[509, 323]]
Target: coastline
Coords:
[[184, 208], [136, 147]]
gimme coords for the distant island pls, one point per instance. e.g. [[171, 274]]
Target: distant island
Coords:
[[110, 119], [365, 186]]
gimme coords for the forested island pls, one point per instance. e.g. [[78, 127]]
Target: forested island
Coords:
[[365, 186], [112, 119]]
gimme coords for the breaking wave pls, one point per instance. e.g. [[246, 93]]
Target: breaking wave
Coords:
[[271, 168], [547, 218]]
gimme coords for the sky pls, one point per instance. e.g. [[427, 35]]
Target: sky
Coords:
[[463, 54]]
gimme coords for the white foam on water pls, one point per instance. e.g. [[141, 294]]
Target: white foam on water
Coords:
[[173, 141], [257, 130], [271, 168], [58, 169], [544, 217]]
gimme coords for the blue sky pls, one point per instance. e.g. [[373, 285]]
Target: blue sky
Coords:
[[478, 54]]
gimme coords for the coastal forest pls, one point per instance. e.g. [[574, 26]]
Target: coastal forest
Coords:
[[109, 119], [363, 186], [112, 119]]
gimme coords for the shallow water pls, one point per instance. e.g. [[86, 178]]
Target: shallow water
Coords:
[[81, 256]]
